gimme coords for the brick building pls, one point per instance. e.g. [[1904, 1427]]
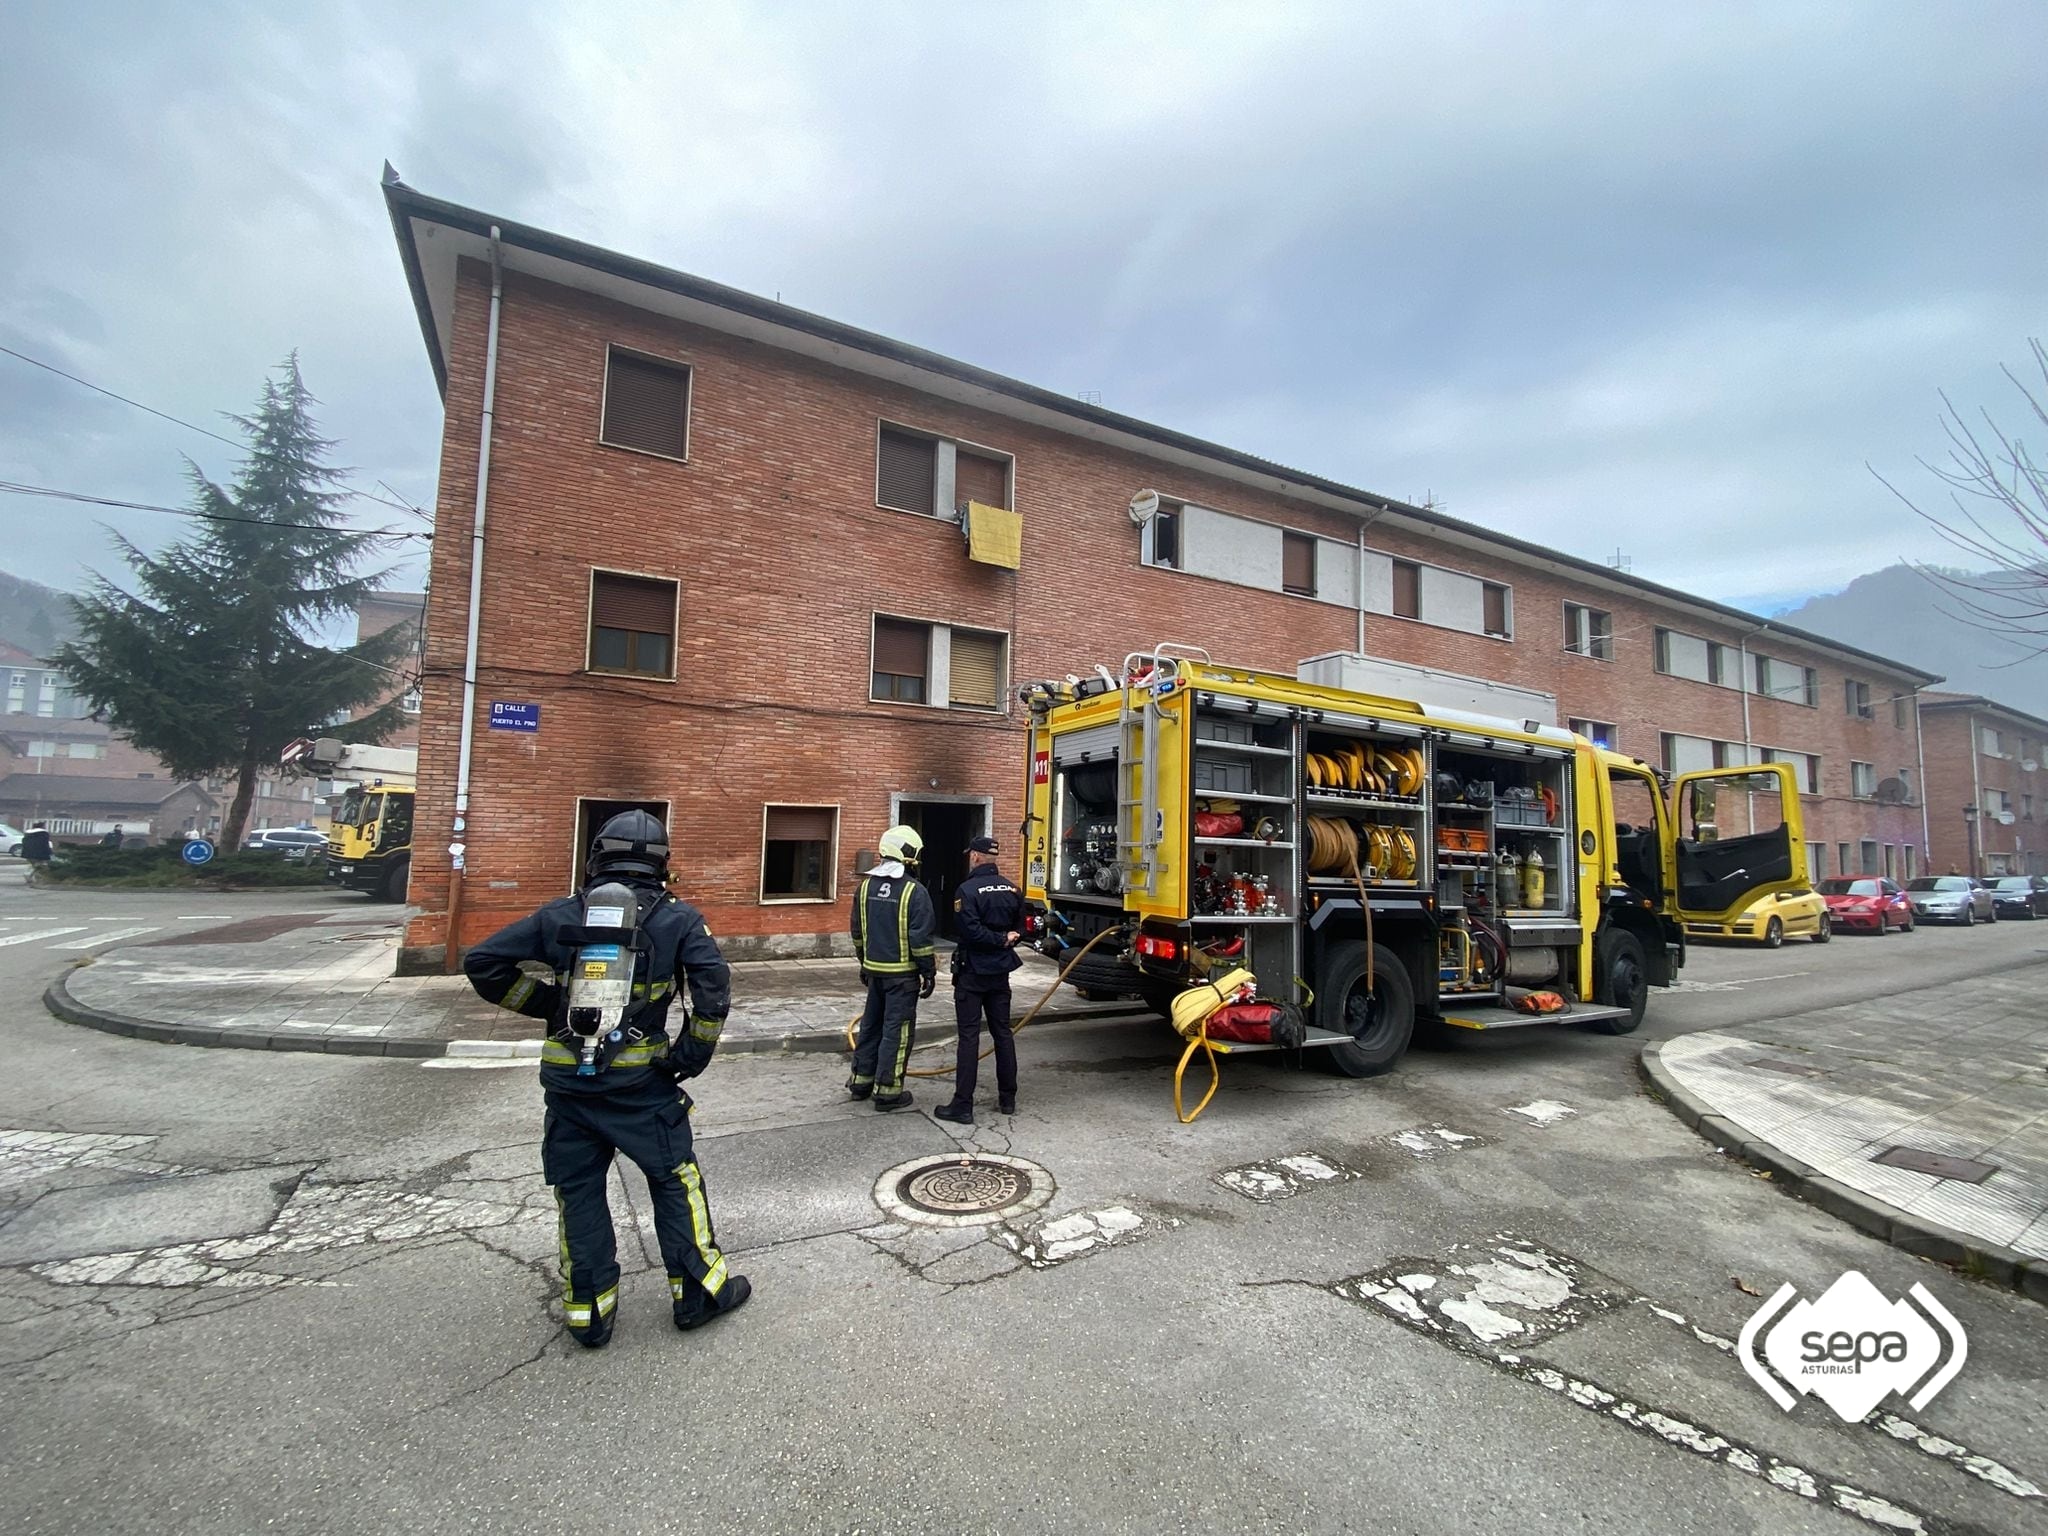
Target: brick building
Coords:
[[719, 557], [375, 614], [78, 808], [1985, 758]]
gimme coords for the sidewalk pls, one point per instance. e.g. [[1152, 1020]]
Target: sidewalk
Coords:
[[325, 983], [1960, 1071]]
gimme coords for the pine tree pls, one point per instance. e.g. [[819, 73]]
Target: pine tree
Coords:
[[213, 664]]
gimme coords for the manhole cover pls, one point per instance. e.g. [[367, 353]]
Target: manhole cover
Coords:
[[963, 1190], [1964, 1170]]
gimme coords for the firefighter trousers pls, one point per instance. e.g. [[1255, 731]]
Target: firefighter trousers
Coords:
[[652, 1129], [888, 1029], [973, 998]]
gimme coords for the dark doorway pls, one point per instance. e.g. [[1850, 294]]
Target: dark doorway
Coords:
[[946, 827], [592, 814]]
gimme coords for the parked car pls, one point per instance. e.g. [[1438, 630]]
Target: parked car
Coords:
[[1951, 899], [2020, 896], [10, 840], [1771, 920], [1866, 904], [292, 842]]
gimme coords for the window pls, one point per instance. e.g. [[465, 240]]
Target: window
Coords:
[[1589, 632], [1777, 679], [1842, 860], [1988, 742], [797, 862], [87, 749], [646, 405], [1731, 754], [1599, 732], [409, 701], [1899, 703], [1689, 754], [2026, 807], [954, 668], [632, 624], [42, 749], [976, 675], [1856, 699], [1806, 767], [1862, 781], [1494, 601], [924, 473], [1298, 564], [902, 654], [1162, 535], [1997, 803], [906, 471], [1867, 851], [1891, 861], [1816, 860], [1407, 589], [1910, 861]]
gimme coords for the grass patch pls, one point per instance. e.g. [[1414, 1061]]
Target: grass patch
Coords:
[[161, 869]]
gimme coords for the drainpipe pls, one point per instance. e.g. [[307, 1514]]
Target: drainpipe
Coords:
[[452, 949], [1976, 802], [1359, 584], [1920, 760]]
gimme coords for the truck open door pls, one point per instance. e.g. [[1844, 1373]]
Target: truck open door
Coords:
[[1738, 837]]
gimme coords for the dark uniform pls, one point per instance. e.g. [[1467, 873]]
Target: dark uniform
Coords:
[[634, 1106], [893, 931], [988, 909]]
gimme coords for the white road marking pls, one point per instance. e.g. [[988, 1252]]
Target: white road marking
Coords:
[[107, 938], [205, 917], [1543, 1111], [475, 1063], [44, 933], [1734, 984]]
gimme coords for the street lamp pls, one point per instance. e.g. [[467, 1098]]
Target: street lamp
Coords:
[[1970, 813]]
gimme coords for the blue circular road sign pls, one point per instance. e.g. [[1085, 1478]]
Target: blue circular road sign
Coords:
[[197, 851]]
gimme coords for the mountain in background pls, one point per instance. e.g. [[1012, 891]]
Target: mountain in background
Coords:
[[35, 617], [1897, 612]]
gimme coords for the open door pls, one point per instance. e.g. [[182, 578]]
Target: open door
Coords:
[[1718, 876]]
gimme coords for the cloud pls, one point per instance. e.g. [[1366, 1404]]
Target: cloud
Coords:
[[1590, 274]]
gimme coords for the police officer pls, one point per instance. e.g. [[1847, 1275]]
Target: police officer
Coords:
[[893, 940], [990, 915], [635, 1104]]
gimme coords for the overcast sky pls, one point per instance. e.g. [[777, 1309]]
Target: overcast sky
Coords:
[[1661, 280]]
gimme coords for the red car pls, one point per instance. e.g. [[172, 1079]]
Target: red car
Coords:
[[1866, 904]]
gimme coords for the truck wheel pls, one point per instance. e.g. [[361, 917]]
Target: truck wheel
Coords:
[[1380, 1022], [393, 886], [1621, 980]]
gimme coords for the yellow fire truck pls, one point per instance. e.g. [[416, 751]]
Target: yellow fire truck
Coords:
[[369, 845], [1375, 861]]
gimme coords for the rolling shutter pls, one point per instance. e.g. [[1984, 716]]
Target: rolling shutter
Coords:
[[906, 471], [1407, 590], [982, 479], [800, 823], [977, 669], [632, 603], [646, 405], [901, 649], [1298, 563]]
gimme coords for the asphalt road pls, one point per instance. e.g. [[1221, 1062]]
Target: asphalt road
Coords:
[[328, 1304]]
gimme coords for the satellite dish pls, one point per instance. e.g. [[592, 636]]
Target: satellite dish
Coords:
[[2030, 765], [1144, 507], [2006, 818], [1891, 792]]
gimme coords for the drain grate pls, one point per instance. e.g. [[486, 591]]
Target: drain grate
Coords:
[[963, 1190], [1964, 1170]]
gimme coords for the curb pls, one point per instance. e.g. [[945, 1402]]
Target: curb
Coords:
[[58, 1000], [1904, 1231]]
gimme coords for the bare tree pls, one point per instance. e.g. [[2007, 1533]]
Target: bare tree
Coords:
[[1997, 516]]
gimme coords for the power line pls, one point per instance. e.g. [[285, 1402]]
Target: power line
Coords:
[[212, 517], [34, 362]]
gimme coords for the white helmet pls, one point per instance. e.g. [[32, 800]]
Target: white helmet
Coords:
[[902, 844]]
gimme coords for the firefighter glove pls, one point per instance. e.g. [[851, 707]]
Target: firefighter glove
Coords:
[[927, 983]]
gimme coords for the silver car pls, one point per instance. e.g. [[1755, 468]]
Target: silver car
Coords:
[[1951, 899]]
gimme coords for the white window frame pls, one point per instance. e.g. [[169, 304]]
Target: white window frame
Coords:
[[641, 354], [1580, 725], [675, 623], [762, 898], [944, 484], [938, 665], [1582, 634], [1869, 772]]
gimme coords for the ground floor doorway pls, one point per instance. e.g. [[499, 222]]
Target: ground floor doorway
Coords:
[[947, 823]]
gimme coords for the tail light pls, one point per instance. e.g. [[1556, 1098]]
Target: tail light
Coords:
[[1158, 949]]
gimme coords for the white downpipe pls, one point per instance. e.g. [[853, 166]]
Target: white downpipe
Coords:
[[1360, 584], [1920, 758], [476, 547]]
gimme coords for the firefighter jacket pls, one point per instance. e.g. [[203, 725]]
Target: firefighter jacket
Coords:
[[679, 948], [893, 925], [988, 908]]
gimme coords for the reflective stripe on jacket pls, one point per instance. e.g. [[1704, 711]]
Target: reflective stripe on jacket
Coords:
[[893, 926]]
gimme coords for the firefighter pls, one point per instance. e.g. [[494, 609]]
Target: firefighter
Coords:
[[892, 940], [990, 915], [635, 1105]]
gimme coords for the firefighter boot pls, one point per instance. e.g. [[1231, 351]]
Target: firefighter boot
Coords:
[[894, 1101], [700, 1310], [959, 1114]]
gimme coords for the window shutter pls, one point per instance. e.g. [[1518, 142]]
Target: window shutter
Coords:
[[979, 478], [800, 824], [1496, 605], [1407, 590], [646, 405], [1298, 563], [900, 648], [977, 669], [906, 472], [634, 603]]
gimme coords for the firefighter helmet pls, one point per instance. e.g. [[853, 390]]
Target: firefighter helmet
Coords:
[[631, 843], [902, 844]]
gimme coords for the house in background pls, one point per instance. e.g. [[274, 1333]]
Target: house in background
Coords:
[[1987, 787], [79, 808], [375, 614]]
